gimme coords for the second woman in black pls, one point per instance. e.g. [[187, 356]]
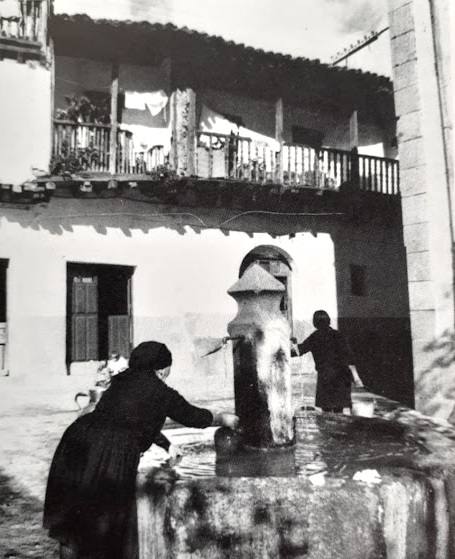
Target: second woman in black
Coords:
[[333, 361]]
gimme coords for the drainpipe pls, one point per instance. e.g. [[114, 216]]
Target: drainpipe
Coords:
[[440, 204]]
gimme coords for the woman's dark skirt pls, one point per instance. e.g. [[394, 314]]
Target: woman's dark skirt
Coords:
[[90, 496], [333, 388]]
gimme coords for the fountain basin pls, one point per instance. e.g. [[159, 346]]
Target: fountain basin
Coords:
[[292, 517], [352, 487]]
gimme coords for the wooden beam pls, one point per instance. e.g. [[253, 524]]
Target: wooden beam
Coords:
[[354, 144], [184, 131], [52, 70], [43, 15], [114, 117], [279, 120], [279, 135], [353, 131], [192, 133]]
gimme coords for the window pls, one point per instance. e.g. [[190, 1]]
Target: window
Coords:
[[3, 267], [98, 311], [3, 272], [307, 137], [358, 280]]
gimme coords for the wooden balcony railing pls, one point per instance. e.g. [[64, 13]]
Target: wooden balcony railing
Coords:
[[333, 169], [82, 146], [234, 157], [23, 20], [241, 158], [85, 146], [377, 174]]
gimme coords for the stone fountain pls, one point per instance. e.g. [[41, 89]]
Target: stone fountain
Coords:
[[299, 484], [262, 374]]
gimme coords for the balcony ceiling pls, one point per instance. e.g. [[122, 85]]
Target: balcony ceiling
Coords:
[[203, 61]]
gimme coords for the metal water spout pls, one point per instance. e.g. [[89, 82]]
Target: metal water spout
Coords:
[[262, 374]]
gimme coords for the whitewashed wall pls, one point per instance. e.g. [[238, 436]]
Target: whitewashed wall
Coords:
[[25, 120], [179, 284]]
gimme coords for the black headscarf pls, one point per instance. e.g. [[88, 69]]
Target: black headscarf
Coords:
[[150, 356], [321, 319]]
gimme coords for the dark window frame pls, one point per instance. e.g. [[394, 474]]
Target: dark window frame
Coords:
[[358, 280]]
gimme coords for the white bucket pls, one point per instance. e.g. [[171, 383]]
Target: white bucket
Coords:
[[363, 408]]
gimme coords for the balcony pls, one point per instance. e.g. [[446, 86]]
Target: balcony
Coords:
[[81, 147], [23, 27], [88, 148], [221, 156]]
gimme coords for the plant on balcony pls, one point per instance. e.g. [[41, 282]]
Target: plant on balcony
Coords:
[[162, 172], [85, 109], [71, 161]]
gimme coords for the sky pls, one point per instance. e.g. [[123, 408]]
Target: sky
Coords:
[[307, 28]]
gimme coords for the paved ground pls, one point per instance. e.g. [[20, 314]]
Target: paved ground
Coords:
[[32, 419]]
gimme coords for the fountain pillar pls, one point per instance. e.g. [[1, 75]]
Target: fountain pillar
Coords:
[[262, 374]]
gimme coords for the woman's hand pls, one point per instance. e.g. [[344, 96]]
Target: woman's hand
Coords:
[[225, 419], [175, 453], [294, 347]]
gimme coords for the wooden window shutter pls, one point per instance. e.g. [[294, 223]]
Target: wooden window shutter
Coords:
[[119, 334], [84, 318]]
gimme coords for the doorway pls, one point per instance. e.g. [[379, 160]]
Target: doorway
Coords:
[[99, 313], [3, 315]]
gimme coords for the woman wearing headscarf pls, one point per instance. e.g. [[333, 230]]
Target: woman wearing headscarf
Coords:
[[333, 360], [90, 497]]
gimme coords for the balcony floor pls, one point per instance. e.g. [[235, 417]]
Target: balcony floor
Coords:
[[229, 197]]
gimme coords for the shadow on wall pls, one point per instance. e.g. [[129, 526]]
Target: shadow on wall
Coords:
[[375, 317], [58, 220], [61, 217], [436, 384], [383, 355]]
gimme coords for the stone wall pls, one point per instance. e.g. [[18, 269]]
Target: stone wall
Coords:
[[420, 53]]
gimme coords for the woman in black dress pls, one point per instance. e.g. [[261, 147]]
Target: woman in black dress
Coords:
[[90, 497], [333, 361]]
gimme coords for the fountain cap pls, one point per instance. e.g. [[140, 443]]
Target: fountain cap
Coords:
[[256, 280]]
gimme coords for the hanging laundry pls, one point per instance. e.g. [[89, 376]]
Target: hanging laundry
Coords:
[[134, 100], [145, 138], [211, 121], [156, 101], [10, 9], [247, 151], [153, 101]]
